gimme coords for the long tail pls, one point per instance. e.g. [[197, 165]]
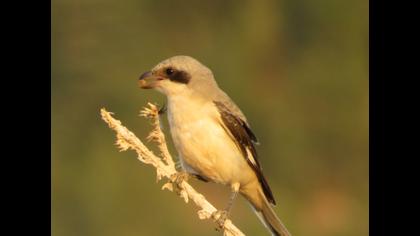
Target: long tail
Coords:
[[254, 194]]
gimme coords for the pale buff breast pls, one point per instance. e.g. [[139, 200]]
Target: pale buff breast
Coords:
[[203, 145]]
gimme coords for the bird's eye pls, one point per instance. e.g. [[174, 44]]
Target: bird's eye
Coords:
[[170, 71]]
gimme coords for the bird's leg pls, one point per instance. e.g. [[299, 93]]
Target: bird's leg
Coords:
[[177, 180], [180, 176], [179, 168], [222, 215]]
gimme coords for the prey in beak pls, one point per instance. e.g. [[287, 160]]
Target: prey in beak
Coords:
[[148, 80]]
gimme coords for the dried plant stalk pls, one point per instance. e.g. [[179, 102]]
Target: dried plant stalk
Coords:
[[127, 140], [157, 135]]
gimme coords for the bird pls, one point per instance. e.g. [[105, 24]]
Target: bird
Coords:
[[212, 136]]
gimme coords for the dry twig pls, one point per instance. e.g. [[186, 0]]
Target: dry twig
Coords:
[[127, 140]]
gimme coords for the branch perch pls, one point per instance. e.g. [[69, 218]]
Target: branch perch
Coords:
[[165, 166]]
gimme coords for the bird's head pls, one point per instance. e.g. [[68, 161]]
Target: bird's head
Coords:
[[178, 74]]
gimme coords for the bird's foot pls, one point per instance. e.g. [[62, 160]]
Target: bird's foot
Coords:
[[220, 217], [177, 180]]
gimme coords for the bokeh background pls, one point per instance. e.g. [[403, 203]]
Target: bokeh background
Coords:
[[297, 68]]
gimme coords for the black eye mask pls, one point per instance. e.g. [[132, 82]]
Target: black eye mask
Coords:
[[178, 76]]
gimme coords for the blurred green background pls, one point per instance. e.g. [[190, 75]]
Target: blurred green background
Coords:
[[297, 68]]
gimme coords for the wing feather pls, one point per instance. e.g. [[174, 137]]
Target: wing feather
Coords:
[[240, 132]]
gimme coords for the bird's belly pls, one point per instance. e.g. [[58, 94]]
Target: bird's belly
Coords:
[[206, 149]]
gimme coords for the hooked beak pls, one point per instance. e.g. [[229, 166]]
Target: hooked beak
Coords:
[[147, 80]]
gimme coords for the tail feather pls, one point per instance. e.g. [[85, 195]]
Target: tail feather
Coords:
[[265, 212], [272, 222]]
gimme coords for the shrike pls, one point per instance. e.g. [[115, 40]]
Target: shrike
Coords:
[[211, 134]]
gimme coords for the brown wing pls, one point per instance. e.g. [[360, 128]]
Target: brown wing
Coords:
[[244, 138]]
